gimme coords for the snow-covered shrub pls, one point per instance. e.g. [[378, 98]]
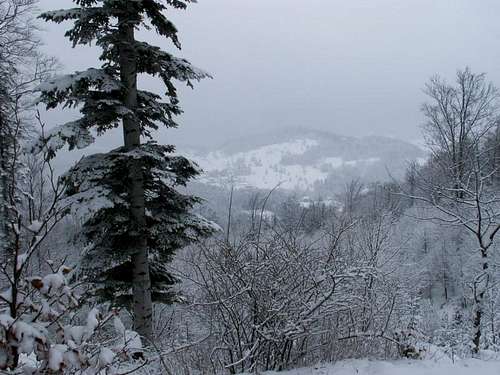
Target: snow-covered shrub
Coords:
[[453, 336], [284, 298], [47, 335], [410, 343], [411, 340]]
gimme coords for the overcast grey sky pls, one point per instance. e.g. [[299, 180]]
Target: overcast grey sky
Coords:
[[353, 67]]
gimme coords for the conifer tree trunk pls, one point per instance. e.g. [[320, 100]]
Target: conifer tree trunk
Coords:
[[3, 185], [142, 302]]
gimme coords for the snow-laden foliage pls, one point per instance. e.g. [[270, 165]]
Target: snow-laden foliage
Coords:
[[47, 336], [96, 188], [71, 134], [98, 93], [90, 18], [70, 85]]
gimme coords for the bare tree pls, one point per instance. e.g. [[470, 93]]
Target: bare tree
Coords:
[[458, 117], [459, 121], [21, 68], [17, 32], [26, 217]]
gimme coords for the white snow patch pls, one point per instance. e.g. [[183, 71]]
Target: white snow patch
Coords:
[[266, 214], [106, 357], [21, 259], [307, 202], [263, 167], [421, 161], [6, 295], [333, 162], [426, 367], [35, 226], [267, 167], [369, 161]]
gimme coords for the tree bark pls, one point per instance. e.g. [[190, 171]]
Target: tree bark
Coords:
[[142, 301], [3, 185], [479, 293]]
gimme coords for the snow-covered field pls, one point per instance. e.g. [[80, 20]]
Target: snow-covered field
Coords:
[[427, 367]]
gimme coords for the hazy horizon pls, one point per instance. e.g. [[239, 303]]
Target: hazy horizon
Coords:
[[352, 68]]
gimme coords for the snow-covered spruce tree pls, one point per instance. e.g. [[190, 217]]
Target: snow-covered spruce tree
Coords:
[[99, 183], [130, 177]]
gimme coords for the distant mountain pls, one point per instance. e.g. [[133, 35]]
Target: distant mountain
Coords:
[[305, 160]]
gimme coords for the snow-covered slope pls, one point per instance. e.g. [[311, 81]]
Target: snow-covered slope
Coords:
[[302, 159], [428, 367]]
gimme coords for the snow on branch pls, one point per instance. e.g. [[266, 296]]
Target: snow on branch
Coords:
[[153, 60], [72, 87], [48, 337], [72, 133], [97, 181], [62, 15]]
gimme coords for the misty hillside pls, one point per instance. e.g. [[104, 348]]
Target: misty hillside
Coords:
[[306, 160]]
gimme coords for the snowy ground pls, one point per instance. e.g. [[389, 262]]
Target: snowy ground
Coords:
[[428, 367]]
